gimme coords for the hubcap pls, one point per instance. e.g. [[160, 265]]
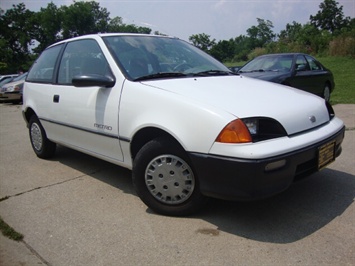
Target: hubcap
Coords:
[[169, 179], [326, 93], [36, 137]]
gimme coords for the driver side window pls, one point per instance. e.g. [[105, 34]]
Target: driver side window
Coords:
[[83, 57]]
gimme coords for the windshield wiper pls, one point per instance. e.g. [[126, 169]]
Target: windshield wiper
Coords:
[[252, 71], [161, 75], [215, 72], [259, 70]]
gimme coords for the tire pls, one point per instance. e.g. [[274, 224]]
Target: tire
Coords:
[[164, 179], [326, 93], [41, 145]]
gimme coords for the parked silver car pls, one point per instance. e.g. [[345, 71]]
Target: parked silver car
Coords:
[[12, 92], [7, 78]]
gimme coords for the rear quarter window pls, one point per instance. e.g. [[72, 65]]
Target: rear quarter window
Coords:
[[43, 68]]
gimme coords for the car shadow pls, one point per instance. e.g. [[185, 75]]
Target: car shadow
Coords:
[[307, 206], [109, 173], [298, 212]]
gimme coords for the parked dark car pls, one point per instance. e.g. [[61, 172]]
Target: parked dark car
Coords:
[[297, 70]]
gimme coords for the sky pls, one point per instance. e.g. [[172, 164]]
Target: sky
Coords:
[[220, 19]]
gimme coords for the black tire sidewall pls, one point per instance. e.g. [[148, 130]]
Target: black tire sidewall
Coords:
[[48, 148]]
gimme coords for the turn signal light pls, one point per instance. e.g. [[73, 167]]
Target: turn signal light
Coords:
[[235, 132]]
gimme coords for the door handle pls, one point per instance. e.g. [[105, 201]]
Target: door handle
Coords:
[[56, 98]]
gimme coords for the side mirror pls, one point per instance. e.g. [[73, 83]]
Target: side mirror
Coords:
[[92, 80], [301, 67]]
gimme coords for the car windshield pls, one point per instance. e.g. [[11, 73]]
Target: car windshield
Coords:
[[5, 80], [151, 57], [269, 63], [21, 77]]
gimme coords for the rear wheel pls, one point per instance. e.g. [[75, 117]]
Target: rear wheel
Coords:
[[42, 146], [164, 179]]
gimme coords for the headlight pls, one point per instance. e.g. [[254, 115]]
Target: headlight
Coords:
[[263, 128], [252, 124], [251, 129], [10, 89]]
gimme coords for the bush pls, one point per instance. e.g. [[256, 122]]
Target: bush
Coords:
[[257, 52], [342, 46]]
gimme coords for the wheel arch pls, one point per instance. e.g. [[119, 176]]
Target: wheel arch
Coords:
[[329, 83], [28, 113], [147, 134]]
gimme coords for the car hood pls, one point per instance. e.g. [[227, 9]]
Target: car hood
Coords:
[[245, 97], [266, 75], [7, 85]]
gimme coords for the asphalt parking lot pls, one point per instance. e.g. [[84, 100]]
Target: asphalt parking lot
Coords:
[[78, 210]]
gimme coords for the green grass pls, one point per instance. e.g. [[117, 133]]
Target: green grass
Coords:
[[9, 232], [343, 69]]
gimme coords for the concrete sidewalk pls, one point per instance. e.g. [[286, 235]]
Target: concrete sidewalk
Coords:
[[78, 210]]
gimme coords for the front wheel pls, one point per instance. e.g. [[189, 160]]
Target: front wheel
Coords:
[[42, 146], [164, 179]]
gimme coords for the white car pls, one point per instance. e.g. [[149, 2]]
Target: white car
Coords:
[[187, 126]]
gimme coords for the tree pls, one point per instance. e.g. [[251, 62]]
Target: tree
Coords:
[[48, 28], [330, 17], [83, 18], [223, 50], [16, 37], [202, 41], [241, 49], [262, 34], [116, 25], [291, 33]]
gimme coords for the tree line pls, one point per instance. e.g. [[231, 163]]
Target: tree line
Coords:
[[24, 34], [328, 33]]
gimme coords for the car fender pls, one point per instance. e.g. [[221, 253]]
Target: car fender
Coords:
[[193, 124]]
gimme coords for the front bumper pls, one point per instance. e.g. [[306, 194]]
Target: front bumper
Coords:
[[247, 179], [10, 96]]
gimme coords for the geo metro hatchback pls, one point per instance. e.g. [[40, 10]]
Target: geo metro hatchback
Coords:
[[186, 126]]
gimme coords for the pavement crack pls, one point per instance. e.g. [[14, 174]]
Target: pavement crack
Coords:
[[37, 188], [36, 253]]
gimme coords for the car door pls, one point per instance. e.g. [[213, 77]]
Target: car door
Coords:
[[302, 78], [308, 75], [318, 76], [86, 118]]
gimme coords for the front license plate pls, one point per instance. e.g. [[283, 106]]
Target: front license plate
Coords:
[[326, 154]]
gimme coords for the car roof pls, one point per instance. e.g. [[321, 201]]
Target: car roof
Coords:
[[100, 35], [8, 75], [280, 54]]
